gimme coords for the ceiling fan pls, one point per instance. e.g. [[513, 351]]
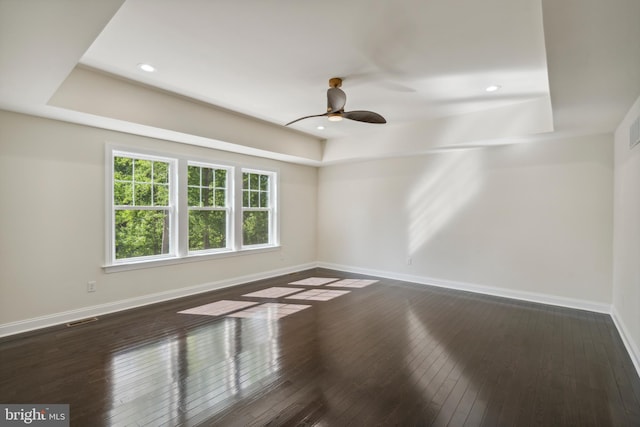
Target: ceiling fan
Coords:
[[336, 99]]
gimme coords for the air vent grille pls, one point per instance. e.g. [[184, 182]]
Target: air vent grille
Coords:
[[81, 322], [634, 133]]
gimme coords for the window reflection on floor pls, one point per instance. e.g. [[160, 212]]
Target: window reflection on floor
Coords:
[[143, 384], [204, 372]]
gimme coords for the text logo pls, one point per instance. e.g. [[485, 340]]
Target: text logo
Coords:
[[40, 415]]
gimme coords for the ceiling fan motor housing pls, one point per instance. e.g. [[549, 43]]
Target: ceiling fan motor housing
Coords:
[[335, 82]]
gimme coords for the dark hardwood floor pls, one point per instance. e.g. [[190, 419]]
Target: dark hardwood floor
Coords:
[[392, 353]]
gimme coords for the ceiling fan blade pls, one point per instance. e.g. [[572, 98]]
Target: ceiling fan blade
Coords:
[[306, 117], [364, 116], [336, 99]]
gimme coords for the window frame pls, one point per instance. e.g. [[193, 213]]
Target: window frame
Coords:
[[171, 209], [273, 238], [179, 233], [228, 208]]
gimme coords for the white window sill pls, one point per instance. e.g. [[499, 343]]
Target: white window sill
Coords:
[[137, 265]]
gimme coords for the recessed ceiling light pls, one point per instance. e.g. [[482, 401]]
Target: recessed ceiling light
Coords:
[[320, 128], [147, 67], [493, 88]]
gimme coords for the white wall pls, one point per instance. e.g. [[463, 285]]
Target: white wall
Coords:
[[527, 220], [52, 221], [626, 249]]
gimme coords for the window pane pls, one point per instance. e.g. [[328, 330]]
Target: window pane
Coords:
[[264, 199], [207, 197], [142, 170], [142, 194], [245, 180], [160, 172], [254, 199], [264, 182], [194, 175], [204, 183], [122, 193], [221, 178], [255, 228], [207, 230], [194, 196], [141, 233], [161, 195], [207, 177], [122, 168], [245, 199], [220, 199], [254, 181]]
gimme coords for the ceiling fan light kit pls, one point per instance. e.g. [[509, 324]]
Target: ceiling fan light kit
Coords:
[[336, 100]]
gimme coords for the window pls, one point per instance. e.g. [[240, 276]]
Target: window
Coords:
[[256, 208], [166, 208], [143, 209], [208, 208]]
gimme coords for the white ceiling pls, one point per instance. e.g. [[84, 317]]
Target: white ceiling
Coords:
[[408, 60], [416, 62]]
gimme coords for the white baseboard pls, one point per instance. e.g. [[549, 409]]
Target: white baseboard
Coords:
[[113, 307], [481, 289], [627, 339]]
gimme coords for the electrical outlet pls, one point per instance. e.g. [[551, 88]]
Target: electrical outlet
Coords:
[[91, 286]]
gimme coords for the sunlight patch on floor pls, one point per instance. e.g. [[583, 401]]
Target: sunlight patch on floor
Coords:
[[314, 281], [352, 283], [274, 292], [269, 311], [218, 308], [319, 294]]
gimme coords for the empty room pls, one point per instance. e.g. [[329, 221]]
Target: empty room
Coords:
[[338, 213]]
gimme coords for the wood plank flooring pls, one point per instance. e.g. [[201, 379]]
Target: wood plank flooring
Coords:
[[391, 353]]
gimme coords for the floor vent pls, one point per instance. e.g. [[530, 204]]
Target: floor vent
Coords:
[[82, 322], [634, 133]]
